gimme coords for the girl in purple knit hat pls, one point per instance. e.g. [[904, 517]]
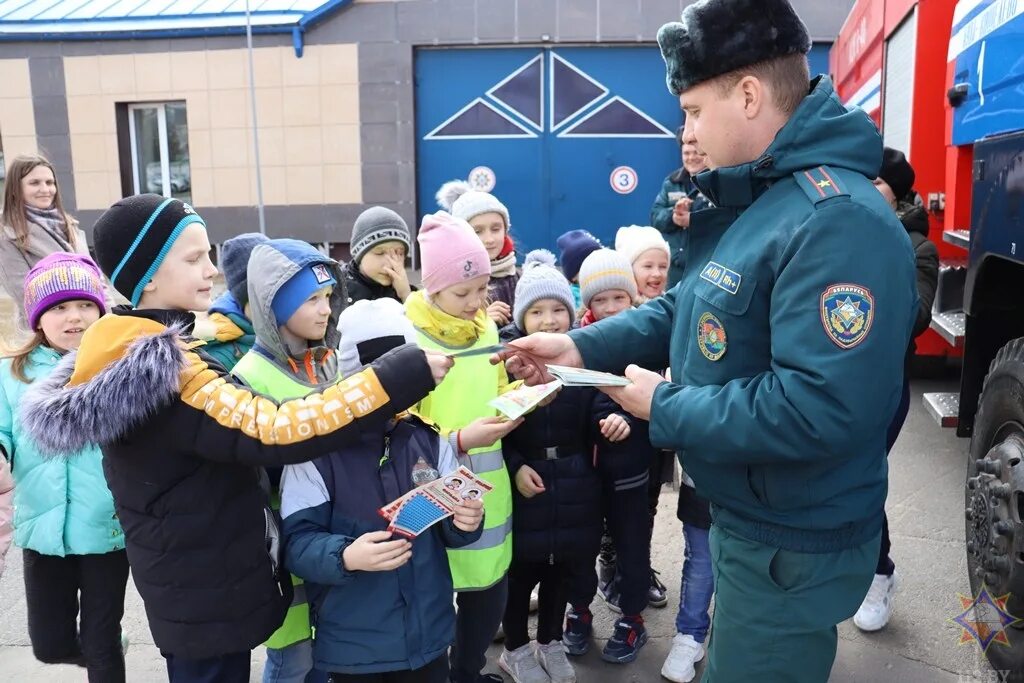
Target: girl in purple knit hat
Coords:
[[75, 564]]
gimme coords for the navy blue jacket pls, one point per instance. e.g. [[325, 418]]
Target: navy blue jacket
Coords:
[[558, 441], [369, 622]]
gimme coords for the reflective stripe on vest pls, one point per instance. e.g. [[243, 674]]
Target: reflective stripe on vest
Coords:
[[486, 461], [299, 597], [462, 397]]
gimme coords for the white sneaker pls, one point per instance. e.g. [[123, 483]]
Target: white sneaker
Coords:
[[685, 653], [522, 665], [553, 659], [534, 599], [876, 610]]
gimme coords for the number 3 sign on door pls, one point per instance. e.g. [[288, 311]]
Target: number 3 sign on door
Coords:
[[623, 180]]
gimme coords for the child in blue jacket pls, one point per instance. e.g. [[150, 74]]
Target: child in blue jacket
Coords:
[[380, 606]]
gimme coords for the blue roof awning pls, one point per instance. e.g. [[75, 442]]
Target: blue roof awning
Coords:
[[122, 19]]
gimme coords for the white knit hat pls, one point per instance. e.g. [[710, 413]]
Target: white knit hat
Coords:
[[369, 329], [462, 201], [604, 270], [634, 240]]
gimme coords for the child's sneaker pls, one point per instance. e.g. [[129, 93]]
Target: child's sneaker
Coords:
[[625, 643], [876, 610], [609, 592], [522, 665], [685, 653], [552, 658], [579, 627], [657, 594]]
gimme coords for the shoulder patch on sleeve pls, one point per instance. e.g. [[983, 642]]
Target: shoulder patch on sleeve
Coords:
[[820, 183], [847, 312]]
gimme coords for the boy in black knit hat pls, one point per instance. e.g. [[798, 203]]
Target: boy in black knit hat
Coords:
[[182, 443]]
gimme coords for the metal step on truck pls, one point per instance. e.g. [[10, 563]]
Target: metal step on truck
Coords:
[[984, 212]]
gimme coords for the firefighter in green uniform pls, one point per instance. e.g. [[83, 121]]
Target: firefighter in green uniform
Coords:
[[786, 339]]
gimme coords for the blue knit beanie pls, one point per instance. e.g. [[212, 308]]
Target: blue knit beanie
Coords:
[[234, 261], [576, 245], [300, 287]]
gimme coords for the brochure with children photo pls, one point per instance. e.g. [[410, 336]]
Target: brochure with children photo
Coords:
[[515, 404], [426, 505], [577, 377]]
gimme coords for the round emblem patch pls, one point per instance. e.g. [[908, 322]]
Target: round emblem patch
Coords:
[[847, 312], [711, 337]]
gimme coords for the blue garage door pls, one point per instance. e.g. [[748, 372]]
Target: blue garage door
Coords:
[[576, 137]]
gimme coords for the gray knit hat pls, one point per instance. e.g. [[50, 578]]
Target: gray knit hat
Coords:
[[603, 270], [540, 280], [375, 225], [462, 201]]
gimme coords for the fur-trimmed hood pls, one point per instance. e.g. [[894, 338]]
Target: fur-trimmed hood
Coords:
[[125, 370]]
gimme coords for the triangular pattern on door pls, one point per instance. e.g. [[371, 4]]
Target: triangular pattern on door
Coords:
[[616, 118], [479, 119], [571, 93], [522, 91], [572, 90]]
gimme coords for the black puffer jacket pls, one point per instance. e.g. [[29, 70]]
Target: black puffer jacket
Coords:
[[564, 522], [182, 449]]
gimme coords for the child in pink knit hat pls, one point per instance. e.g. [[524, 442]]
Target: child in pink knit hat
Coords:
[[450, 315]]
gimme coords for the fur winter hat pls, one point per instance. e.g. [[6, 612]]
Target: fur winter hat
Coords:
[[369, 329], [719, 36], [462, 201], [604, 270], [540, 280], [634, 240]]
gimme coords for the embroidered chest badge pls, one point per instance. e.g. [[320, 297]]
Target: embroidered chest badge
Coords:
[[722, 277], [847, 312], [711, 337]]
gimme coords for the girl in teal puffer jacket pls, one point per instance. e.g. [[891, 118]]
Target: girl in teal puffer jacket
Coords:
[[64, 519]]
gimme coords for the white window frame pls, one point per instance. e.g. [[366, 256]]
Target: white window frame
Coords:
[[165, 163]]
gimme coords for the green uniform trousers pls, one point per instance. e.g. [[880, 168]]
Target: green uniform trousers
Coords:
[[776, 610]]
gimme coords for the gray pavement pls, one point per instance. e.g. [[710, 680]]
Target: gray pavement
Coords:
[[920, 644]]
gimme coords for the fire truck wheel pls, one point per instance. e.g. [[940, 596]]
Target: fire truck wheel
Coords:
[[995, 506]]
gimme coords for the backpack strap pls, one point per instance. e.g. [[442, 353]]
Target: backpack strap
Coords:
[[820, 184]]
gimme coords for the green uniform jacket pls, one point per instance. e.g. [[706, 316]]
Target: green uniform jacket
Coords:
[[676, 186], [787, 336]]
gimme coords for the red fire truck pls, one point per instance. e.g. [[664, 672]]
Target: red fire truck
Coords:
[[890, 60], [943, 81]]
